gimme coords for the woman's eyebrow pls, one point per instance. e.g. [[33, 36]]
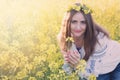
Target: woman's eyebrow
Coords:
[[73, 20], [82, 20], [77, 20]]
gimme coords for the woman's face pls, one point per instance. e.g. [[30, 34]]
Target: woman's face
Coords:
[[78, 25]]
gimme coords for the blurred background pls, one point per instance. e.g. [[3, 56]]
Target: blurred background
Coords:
[[28, 30]]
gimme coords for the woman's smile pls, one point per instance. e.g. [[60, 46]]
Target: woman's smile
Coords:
[[77, 31]]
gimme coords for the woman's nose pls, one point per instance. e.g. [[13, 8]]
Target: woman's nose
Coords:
[[78, 26]]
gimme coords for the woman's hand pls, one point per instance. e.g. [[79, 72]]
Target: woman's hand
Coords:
[[71, 57]]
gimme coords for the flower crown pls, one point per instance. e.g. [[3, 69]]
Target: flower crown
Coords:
[[79, 7]]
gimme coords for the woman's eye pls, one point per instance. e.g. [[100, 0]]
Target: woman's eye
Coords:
[[73, 21], [83, 22]]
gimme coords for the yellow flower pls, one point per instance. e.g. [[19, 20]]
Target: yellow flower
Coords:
[[69, 39], [81, 66], [75, 7], [40, 74], [92, 77], [86, 10], [32, 78]]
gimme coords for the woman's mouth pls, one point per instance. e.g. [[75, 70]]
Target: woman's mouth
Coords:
[[77, 31]]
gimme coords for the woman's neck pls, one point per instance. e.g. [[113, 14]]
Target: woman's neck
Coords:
[[78, 42]]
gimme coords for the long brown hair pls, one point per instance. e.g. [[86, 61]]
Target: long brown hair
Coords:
[[90, 35]]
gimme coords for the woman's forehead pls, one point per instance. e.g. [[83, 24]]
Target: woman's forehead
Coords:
[[78, 16]]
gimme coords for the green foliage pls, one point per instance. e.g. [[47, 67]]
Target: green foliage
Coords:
[[28, 30]]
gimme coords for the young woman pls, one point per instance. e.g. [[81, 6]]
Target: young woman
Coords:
[[91, 43]]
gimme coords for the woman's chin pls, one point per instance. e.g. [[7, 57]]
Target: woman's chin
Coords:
[[78, 35]]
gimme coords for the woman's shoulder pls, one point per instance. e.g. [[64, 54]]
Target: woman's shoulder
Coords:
[[101, 35], [101, 45]]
